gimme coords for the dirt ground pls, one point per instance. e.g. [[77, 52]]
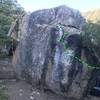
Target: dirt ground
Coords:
[[20, 90]]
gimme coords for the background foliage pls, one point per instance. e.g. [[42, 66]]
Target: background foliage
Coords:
[[92, 27], [9, 11]]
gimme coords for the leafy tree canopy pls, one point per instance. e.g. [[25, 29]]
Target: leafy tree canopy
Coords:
[[9, 10]]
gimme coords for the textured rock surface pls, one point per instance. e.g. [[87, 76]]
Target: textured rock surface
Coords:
[[41, 57]]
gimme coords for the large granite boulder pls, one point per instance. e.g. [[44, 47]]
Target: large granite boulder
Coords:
[[50, 52]]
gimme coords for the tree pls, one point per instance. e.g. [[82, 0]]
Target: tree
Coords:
[[9, 10]]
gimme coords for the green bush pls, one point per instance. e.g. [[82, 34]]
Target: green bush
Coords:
[[3, 88]]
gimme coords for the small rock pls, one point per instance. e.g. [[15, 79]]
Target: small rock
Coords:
[[35, 92], [20, 90], [20, 94], [31, 97]]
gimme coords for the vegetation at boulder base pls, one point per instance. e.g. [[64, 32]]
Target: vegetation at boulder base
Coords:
[[3, 88]]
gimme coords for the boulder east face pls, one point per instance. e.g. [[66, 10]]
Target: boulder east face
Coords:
[[50, 52]]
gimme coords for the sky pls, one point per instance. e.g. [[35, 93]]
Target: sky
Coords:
[[81, 5]]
